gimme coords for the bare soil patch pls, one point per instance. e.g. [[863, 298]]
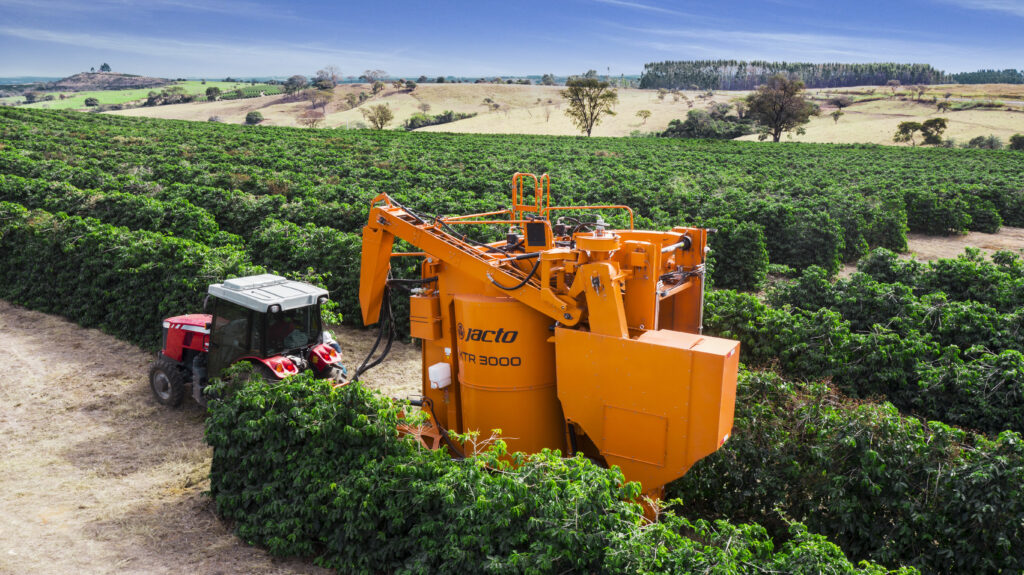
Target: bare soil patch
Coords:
[[925, 247], [96, 477]]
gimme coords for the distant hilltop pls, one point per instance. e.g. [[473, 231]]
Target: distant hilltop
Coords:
[[86, 81]]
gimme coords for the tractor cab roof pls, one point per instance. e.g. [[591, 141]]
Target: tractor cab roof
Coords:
[[260, 292]]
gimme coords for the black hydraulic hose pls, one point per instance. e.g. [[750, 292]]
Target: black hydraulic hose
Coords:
[[464, 237], [407, 283], [410, 212], [526, 280], [528, 256], [387, 323]]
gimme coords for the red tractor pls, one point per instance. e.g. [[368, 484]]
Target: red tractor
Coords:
[[267, 320]]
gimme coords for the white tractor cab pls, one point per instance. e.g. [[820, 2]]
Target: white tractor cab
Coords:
[[267, 320]]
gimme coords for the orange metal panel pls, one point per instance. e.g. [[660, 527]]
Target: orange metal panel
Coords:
[[623, 426], [373, 271], [507, 373], [425, 317], [686, 379]]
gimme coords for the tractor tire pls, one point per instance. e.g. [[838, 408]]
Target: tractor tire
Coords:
[[168, 382]]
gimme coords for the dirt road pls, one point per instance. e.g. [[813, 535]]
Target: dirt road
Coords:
[[95, 477]]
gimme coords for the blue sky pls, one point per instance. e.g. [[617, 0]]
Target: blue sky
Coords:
[[196, 38]]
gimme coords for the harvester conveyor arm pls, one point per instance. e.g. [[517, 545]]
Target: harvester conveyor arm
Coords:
[[388, 220]]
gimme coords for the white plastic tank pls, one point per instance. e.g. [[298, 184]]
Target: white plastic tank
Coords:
[[440, 375]]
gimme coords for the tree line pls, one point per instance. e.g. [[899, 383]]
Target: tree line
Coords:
[[742, 75], [1008, 76]]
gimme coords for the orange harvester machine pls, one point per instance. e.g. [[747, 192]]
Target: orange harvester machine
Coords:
[[566, 335]]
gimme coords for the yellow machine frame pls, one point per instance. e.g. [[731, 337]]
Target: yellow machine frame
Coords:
[[607, 356]]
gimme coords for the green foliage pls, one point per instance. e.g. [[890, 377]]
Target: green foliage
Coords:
[[990, 142], [931, 131], [885, 487], [936, 214], [92, 102], [942, 340], [378, 115], [242, 177], [124, 282], [701, 124], [778, 107], [589, 101], [253, 118], [741, 75], [739, 259], [1017, 142], [176, 217], [905, 132], [1008, 76], [303, 468], [421, 120], [200, 202]]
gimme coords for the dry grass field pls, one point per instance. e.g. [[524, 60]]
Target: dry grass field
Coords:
[[541, 110], [520, 109], [876, 121]]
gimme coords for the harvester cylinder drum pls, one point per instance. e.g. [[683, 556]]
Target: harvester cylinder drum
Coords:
[[507, 373]]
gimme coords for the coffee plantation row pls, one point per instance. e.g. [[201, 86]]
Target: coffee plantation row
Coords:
[[292, 506], [117, 222], [800, 204]]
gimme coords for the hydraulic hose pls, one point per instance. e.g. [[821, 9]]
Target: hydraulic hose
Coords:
[[526, 280], [387, 323]]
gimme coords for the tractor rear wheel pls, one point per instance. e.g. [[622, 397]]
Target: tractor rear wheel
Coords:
[[168, 382]]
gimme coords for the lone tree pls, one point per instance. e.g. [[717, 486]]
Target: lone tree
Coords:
[[840, 102], [321, 98], [328, 77], [372, 76], [378, 116], [547, 80], [931, 130], [105, 67], [253, 118], [778, 106], [905, 132], [836, 115], [643, 115], [377, 87], [589, 99], [1017, 142], [213, 93], [295, 83], [893, 85], [92, 102]]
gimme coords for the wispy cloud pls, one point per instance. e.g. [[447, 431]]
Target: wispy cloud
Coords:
[[642, 7], [230, 55], [683, 43], [1015, 7]]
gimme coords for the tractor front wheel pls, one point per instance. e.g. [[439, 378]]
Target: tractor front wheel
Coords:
[[168, 382]]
